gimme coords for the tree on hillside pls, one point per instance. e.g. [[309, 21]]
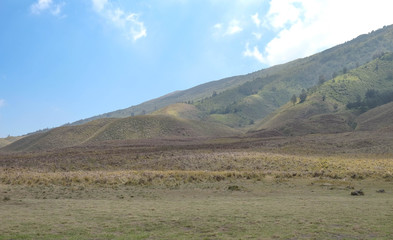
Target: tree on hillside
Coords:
[[321, 79], [334, 75], [389, 75], [294, 99], [303, 96], [371, 93]]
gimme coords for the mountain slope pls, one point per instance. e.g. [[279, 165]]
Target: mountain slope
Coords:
[[338, 104], [241, 100], [273, 87], [376, 118], [181, 110], [192, 94]]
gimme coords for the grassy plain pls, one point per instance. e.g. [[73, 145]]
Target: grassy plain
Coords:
[[240, 209], [230, 188]]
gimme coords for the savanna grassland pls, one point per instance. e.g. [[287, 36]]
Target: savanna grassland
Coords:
[[202, 188]]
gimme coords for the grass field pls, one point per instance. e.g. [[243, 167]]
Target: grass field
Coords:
[[230, 188], [240, 209]]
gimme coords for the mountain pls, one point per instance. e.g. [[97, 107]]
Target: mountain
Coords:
[[346, 88], [242, 100], [360, 100]]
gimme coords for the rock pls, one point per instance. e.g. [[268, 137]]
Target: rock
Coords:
[[357, 193], [233, 188]]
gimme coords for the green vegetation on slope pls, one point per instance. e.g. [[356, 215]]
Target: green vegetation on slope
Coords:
[[325, 109], [271, 88]]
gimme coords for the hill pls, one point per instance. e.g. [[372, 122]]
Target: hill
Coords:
[[159, 126], [358, 100], [109, 129], [242, 100], [8, 140], [58, 137]]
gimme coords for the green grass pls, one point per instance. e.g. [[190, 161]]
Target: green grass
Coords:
[[267, 209]]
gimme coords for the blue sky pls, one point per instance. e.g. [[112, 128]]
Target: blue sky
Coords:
[[64, 60]]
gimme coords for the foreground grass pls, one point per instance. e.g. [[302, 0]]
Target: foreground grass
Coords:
[[282, 188], [272, 208]]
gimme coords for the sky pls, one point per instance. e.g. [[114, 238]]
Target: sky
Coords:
[[66, 60]]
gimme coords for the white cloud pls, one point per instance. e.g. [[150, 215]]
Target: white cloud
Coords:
[[256, 20], [129, 23], [258, 36], [47, 5], [282, 13], [255, 53], [40, 6], [304, 27], [217, 26], [137, 29], [99, 5], [2, 103], [56, 9], [233, 27]]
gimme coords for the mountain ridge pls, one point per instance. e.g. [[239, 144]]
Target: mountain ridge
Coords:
[[290, 77]]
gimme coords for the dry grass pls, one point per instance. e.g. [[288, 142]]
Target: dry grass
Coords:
[[207, 167], [178, 161]]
